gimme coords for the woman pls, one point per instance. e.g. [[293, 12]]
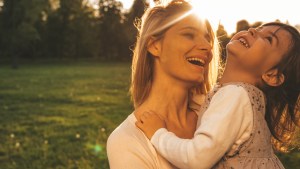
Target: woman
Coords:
[[173, 55]]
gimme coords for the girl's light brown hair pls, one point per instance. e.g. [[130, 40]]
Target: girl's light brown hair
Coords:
[[154, 23]]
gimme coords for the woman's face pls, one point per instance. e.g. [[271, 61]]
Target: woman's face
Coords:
[[185, 51], [259, 49]]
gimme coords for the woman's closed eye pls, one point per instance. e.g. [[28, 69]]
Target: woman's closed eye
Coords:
[[189, 35], [208, 38]]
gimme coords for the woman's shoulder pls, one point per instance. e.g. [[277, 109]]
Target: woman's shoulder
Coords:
[[127, 145], [126, 134], [124, 130]]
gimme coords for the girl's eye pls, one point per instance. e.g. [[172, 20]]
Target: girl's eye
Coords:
[[269, 38]]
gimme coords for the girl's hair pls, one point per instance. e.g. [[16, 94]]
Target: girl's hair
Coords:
[[283, 108], [154, 23]]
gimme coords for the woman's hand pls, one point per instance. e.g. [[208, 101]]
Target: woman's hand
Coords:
[[149, 123]]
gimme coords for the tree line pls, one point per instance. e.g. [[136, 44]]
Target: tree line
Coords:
[[33, 30]]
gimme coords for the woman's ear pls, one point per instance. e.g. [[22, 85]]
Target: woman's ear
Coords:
[[273, 78], [154, 47]]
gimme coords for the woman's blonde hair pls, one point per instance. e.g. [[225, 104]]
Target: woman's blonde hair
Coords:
[[154, 23]]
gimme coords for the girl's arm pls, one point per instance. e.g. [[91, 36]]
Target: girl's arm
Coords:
[[220, 126]]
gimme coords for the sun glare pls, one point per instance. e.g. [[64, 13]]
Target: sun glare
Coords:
[[202, 9], [229, 12], [94, 3]]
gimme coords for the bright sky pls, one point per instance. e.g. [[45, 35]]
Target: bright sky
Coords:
[[229, 12]]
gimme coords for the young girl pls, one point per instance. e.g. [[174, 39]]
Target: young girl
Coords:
[[256, 98]]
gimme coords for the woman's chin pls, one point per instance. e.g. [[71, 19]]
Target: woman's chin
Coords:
[[197, 81]]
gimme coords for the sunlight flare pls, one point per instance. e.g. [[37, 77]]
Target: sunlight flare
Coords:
[[203, 10], [94, 3]]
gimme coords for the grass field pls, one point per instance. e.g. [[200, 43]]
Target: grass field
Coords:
[[58, 116]]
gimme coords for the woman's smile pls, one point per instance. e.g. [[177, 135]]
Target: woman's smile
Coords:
[[196, 61]]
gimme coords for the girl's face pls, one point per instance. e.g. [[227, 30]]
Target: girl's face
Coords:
[[259, 50], [185, 51]]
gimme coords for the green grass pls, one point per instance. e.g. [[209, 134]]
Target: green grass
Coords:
[[59, 116]]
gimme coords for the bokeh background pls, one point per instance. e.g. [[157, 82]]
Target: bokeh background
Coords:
[[64, 80]]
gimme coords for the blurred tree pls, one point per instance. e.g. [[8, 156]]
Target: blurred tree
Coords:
[[156, 1], [69, 30], [132, 18], [19, 34], [137, 9], [53, 36], [111, 30], [298, 26], [242, 25], [256, 24], [224, 39]]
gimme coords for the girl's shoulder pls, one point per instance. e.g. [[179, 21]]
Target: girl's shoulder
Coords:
[[247, 86], [253, 92]]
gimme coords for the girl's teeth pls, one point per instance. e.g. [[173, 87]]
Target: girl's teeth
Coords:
[[244, 42]]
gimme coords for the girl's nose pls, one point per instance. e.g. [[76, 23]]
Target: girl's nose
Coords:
[[252, 31]]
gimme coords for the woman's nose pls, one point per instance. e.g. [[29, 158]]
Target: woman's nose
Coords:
[[204, 45]]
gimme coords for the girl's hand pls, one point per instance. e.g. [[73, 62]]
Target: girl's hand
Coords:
[[149, 123]]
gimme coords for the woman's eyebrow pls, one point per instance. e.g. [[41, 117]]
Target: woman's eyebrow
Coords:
[[189, 27], [195, 29]]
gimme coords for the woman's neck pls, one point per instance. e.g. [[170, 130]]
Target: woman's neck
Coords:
[[171, 104], [168, 101]]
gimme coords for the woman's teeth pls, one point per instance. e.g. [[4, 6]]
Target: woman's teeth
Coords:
[[196, 61], [244, 42]]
